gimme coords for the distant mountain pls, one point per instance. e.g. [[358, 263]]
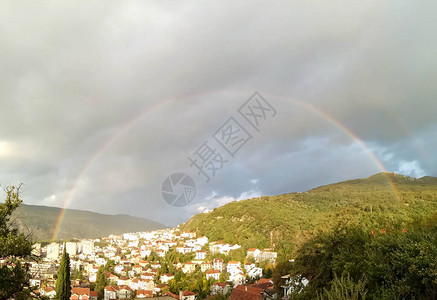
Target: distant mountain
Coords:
[[80, 224], [284, 222]]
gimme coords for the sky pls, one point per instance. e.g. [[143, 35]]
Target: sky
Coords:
[[101, 101]]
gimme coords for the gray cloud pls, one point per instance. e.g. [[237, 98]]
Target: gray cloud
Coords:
[[107, 98]]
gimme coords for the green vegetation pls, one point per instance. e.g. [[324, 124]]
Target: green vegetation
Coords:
[[286, 222], [63, 282], [195, 282], [353, 263], [77, 224], [101, 282], [14, 278]]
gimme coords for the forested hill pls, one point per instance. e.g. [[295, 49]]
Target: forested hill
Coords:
[[80, 224], [382, 201]]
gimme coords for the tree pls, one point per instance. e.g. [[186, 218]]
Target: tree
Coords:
[[345, 289], [101, 282], [281, 269], [352, 262], [63, 283], [268, 273], [109, 266], [14, 278]]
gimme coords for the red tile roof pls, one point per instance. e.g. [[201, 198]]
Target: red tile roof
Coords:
[[246, 293], [146, 293], [80, 291], [264, 280]]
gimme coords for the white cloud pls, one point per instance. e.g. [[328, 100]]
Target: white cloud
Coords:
[[410, 168], [213, 200]]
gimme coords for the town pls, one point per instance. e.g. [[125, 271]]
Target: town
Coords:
[[168, 263]]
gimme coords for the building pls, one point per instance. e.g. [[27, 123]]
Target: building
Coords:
[[117, 292], [214, 274], [187, 234], [165, 278], [188, 267], [233, 267], [53, 251], [247, 293], [249, 266], [183, 295], [255, 273], [253, 252], [48, 292], [111, 292], [202, 240], [144, 294], [87, 247], [237, 278], [293, 284], [205, 266], [36, 249], [267, 255], [217, 264], [71, 248], [200, 255], [79, 293]]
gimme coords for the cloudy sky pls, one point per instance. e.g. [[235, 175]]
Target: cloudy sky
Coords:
[[102, 100]]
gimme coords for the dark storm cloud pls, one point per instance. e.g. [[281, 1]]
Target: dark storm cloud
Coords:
[[107, 98]]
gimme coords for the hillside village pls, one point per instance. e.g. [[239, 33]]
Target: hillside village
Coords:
[[165, 263]]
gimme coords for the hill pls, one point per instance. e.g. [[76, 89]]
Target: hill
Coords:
[[80, 224], [284, 222]]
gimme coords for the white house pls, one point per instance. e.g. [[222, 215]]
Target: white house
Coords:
[[187, 234], [100, 261], [111, 292], [249, 266], [233, 267], [48, 291], [188, 267], [255, 273], [200, 255], [215, 274], [237, 279], [293, 283], [253, 252], [217, 264], [124, 292], [165, 278], [202, 240], [205, 266]]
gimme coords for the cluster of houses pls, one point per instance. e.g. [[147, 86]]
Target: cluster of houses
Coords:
[[133, 275]]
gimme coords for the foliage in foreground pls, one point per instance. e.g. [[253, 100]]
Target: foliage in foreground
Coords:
[[14, 278], [63, 282], [354, 263]]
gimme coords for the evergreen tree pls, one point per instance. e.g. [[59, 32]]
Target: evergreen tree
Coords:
[[101, 283], [14, 277], [63, 283]]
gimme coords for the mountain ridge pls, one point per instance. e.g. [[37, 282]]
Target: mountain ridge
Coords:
[[285, 221], [41, 220]]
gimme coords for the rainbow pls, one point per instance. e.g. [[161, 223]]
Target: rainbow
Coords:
[[119, 133], [127, 126], [351, 134]]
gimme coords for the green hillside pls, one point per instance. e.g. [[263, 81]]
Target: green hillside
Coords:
[[41, 220], [286, 221]]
